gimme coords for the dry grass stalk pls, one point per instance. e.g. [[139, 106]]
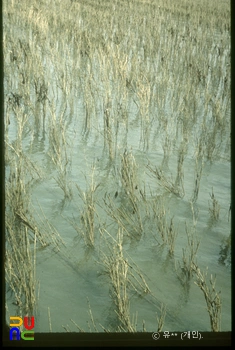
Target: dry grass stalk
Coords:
[[49, 233], [62, 181], [33, 228], [31, 167], [128, 173], [180, 175], [162, 224], [17, 195], [87, 218], [20, 269], [144, 94], [198, 174], [123, 218], [171, 237], [118, 269], [80, 329], [167, 231], [108, 132], [20, 263], [130, 184], [93, 323], [91, 316], [166, 149], [199, 163], [49, 318], [122, 278], [213, 299], [57, 138], [88, 213], [188, 258], [66, 328], [215, 209], [161, 319], [195, 211], [165, 182]]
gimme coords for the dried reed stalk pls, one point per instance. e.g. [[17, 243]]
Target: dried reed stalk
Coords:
[[161, 319], [215, 209], [130, 184], [88, 213], [188, 258], [165, 182], [122, 278], [213, 299], [49, 319]]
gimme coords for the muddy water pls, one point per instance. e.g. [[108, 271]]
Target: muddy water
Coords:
[[68, 279]]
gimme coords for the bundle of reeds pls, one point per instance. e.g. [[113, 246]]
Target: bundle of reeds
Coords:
[[213, 299], [89, 211], [185, 270], [214, 210], [130, 184], [124, 276]]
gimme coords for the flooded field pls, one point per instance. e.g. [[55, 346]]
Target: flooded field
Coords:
[[117, 153]]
